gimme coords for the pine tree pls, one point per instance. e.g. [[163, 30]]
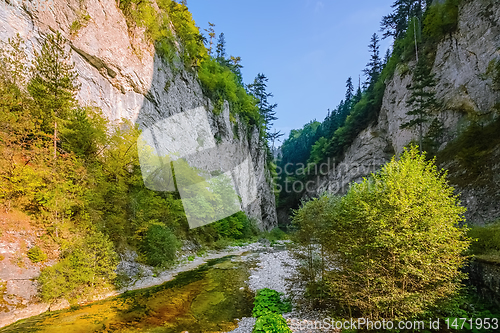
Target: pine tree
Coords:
[[221, 49], [422, 100], [387, 57], [234, 64], [349, 94], [54, 84], [374, 66], [13, 61], [396, 23], [359, 93], [267, 112]]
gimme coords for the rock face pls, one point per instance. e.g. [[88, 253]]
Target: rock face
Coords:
[[120, 73], [466, 93], [486, 277]]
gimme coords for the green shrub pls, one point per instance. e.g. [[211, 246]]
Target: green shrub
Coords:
[[142, 13], [486, 240], [190, 258], [275, 234], [271, 323], [220, 83], [493, 71], [236, 226], [88, 265], [80, 22], [35, 254], [159, 245], [441, 19], [269, 301], [395, 239]]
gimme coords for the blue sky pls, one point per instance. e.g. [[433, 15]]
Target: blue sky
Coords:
[[306, 48]]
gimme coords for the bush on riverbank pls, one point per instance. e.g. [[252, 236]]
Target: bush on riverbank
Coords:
[[395, 239]]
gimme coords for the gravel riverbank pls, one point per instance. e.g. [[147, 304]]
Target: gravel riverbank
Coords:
[[272, 270]]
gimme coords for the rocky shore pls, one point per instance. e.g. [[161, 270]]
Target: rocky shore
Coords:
[[274, 266]]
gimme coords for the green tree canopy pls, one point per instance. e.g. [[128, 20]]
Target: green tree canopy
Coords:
[[395, 240], [54, 83], [422, 100]]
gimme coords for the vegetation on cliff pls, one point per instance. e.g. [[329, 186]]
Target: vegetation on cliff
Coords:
[[412, 23], [78, 177]]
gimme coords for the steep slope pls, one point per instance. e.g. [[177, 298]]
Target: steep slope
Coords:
[[466, 88], [121, 73]]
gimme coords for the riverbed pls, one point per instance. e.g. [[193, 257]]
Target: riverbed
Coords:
[[209, 298]]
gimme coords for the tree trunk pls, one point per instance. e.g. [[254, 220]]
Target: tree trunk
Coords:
[[420, 138], [55, 139]]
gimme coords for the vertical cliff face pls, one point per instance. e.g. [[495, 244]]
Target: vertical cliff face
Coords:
[[120, 73], [467, 93]]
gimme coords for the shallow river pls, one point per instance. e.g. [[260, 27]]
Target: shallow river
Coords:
[[206, 299]]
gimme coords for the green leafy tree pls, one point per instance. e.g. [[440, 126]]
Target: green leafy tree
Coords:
[[422, 99], [211, 34], [20, 143], [159, 245], [54, 84], [395, 240]]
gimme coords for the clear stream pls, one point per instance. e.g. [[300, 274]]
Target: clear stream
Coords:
[[206, 299]]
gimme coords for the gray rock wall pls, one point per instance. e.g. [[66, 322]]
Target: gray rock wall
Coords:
[[485, 276], [120, 73], [463, 88]]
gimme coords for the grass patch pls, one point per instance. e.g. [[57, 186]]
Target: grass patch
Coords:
[[82, 21], [486, 242], [472, 150], [493, 72], [35, 254], [275, 235]]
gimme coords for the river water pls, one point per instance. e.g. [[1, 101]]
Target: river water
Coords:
[[207, 299]]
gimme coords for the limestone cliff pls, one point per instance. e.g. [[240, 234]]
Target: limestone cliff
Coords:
[[466, 92], [120, 73]]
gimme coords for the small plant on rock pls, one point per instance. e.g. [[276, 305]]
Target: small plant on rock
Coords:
[[35, 254]]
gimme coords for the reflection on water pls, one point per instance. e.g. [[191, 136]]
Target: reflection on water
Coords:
[[207, 299]]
